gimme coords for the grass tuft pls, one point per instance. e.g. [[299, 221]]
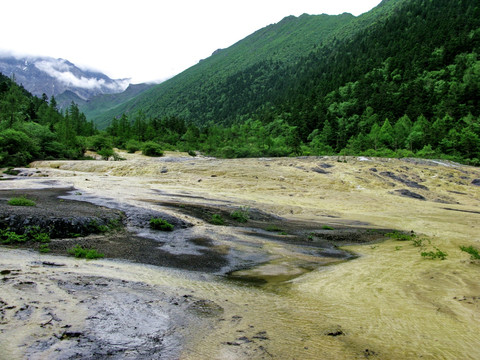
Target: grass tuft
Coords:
[[217, 219], [475, 255], [160, 224], [85, 253], [241, 215], [21, 201], [432, 255]]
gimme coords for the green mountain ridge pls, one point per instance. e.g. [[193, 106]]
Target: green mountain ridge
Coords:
[[400, 80], [196, 94], [278, 42]]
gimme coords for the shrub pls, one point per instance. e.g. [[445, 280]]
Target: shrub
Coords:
[[18, 148], [438, 254], [475, 255], [44, 248], [106, 153], [273, 228], [151, 148], [97, 228], [192, 153], [401, 236], [99, 142], [160, 224], [10, 237], [417, 242], [11, 171], [217, 219], [132, 146], [21, 201], [85, 253], [241, 215], [36, 234]]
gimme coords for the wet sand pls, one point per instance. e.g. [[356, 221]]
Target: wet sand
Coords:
[[388, 303]]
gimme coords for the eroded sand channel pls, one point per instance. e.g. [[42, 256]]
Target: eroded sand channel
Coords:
[[389, 303]]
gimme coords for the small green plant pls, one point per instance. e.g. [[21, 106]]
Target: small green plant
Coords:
[[8, 237], [283, 233], [437, 254], [21, 201], [160, 224], [114, 224], [36, 234], [326, 227], [85, 253], [398, 248], [217, 219], [11, 171], [97, 228], [241, 215], [192, 153], [401, 236], [417, 242], [44, 248], [475, 255]]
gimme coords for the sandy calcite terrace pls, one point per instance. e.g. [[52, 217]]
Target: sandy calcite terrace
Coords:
[[389, 303]]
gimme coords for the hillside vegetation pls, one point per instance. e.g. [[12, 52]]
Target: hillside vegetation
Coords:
[[32, 128], [402, 80]]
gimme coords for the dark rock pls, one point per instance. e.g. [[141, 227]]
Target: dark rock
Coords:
[[373, 170], [410, 194], [476, 182], [232, 343], [404, 180], [70, 334], [326, 166], [261, 335], [336, 333], [320, 171], [206, 308]]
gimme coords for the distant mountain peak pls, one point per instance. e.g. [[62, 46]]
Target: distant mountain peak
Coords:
[[55, 76]]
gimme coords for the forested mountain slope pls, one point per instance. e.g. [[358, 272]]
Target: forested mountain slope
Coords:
[[237, 80], [196, 93]]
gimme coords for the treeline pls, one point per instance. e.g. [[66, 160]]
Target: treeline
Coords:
[[32, 128]]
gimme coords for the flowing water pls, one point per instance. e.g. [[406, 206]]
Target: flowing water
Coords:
[[285, 300]]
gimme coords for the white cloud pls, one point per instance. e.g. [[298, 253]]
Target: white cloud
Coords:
[[61, 70]]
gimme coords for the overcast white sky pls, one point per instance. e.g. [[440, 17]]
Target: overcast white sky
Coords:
[[145, 40]]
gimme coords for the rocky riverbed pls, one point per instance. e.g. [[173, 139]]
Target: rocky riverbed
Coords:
[[276, 286]]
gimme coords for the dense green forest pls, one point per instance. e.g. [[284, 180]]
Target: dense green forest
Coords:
[[406, 84], [32, 128], [402, 80]]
